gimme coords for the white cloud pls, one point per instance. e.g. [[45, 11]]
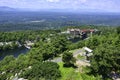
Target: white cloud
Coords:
[[52, 0]]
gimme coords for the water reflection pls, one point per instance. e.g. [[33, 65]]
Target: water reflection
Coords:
[[14, 52]]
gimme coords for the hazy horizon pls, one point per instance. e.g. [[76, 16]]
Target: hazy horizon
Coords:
[[65, 5]]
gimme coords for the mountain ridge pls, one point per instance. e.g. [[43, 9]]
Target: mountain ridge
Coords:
[[6, 8]]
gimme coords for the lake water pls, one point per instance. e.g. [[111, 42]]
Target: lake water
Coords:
[[14, 52]]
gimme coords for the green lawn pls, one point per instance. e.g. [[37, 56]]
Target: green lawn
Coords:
[[65, 71], [70, 74]]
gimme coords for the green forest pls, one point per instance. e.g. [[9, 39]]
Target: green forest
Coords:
[[39, 64]]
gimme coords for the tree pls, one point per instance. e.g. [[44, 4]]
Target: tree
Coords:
[[34, 56], [105, 59], [43, 70], [93, 42], [59, 44], [118, 30], [68, 59], [7, 66]]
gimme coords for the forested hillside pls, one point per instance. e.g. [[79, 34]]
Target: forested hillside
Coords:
[[39, 64]]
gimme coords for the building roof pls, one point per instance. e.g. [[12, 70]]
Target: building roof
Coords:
[[88, 49], [91, 30]]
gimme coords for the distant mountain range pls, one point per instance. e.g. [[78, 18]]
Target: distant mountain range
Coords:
[[6, 8]]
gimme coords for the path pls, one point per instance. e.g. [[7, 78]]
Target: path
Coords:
[[58, 59], [77, 52]]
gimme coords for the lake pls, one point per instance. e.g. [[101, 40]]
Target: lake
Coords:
[[14, 52]]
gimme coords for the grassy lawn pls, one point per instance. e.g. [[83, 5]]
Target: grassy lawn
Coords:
[[70, 74], [65, 71]]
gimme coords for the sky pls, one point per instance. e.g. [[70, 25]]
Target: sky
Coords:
[[78, 5]]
